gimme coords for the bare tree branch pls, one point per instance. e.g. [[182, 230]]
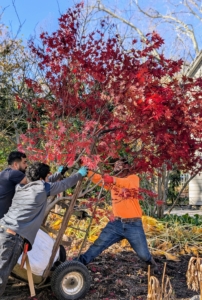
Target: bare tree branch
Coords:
[[59, 7], [141, 34], [170, 19], [191, 10], [21, 23]]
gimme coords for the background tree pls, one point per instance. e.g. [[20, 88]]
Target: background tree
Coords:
[[16, 64]]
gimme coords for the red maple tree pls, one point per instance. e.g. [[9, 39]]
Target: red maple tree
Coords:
[[97, 94]]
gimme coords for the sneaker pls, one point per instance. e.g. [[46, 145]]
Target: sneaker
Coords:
[[154, 269]]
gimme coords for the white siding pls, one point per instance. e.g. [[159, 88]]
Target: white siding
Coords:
[[195, 185], [198, 73], [195, 190]]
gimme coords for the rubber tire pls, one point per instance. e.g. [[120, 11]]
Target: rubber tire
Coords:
[[64, 269]]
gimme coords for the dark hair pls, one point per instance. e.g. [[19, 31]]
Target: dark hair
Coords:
[[37, 171], [15, 156]]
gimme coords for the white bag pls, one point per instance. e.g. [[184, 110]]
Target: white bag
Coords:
[[40, 254]]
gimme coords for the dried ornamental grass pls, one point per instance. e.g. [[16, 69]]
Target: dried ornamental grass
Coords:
[[166, 239], [194, 275], [157, 291], [167, 290], [154, 289]]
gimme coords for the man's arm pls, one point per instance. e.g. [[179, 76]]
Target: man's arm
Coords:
[[54, 177], [61, 186], [97, 179], [58, 175]]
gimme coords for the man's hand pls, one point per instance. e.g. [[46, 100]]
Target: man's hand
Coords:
[[62, 169], [83, 171], [108, 179]]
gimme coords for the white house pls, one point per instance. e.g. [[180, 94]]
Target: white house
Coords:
[[195, 185]]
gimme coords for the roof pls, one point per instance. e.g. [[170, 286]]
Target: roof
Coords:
[[195, 65]]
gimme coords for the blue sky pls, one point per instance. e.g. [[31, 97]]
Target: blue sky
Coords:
[[36, 14], [39, 15], [42, 15]]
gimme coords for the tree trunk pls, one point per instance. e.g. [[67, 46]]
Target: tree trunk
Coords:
[[162, 191]]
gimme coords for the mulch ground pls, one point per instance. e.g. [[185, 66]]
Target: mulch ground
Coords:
[[119, 276]]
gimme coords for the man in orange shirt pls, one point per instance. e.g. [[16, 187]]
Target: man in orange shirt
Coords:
[[127, 212]]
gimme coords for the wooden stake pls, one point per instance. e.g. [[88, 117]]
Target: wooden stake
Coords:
[[163, 279], [200, 290], [30, 278], [148, 276], [149, 284]]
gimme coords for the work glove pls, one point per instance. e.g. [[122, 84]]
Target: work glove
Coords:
[[62, 169], [83, 171], [108, 179]]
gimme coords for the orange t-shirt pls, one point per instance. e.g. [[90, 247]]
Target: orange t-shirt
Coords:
[[125, 203]]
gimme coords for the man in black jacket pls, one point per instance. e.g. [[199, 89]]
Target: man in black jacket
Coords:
[[10, 177]]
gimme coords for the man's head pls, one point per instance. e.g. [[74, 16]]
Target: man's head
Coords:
[[18, 161], [37, 171], [121, 167]]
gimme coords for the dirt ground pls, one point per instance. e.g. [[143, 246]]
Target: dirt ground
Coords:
[[120, 276]]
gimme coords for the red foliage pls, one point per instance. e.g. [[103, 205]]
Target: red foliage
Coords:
[[120, 100], [160, 202]]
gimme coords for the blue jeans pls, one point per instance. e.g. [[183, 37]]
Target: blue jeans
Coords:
[[114, 232], [11, 247]]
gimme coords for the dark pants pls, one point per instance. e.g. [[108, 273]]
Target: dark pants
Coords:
[[11, 247], [114, 232]]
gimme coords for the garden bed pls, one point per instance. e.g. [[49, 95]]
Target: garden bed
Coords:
[[116, 276]]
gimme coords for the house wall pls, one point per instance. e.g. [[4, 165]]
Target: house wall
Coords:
[[198, 72], [195, 190], [195, 185]]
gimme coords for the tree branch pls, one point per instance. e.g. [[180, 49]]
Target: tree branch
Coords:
[[141, 34], [171, 19], [192, 11]]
